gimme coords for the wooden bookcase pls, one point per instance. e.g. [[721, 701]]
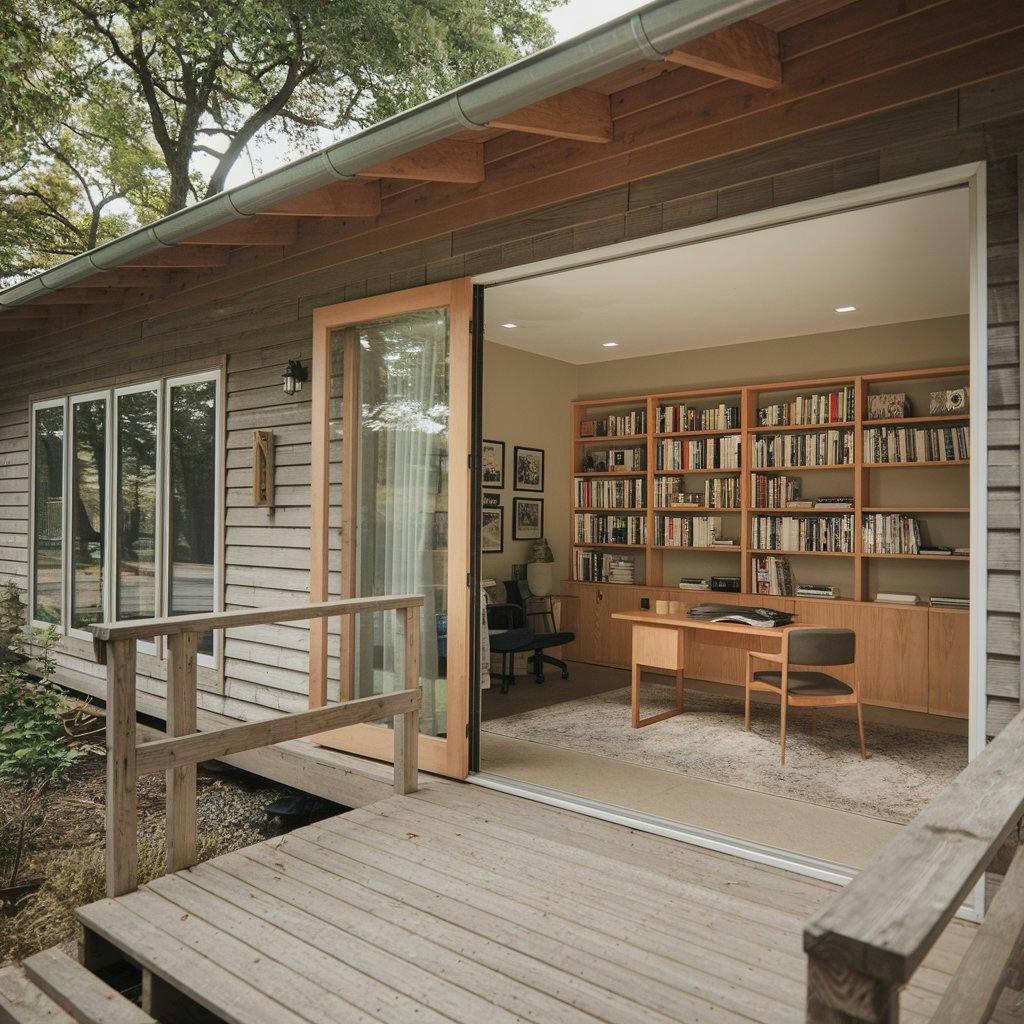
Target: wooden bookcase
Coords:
[[870, 484]]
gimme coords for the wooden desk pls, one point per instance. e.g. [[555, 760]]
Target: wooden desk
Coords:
[[659, 641]]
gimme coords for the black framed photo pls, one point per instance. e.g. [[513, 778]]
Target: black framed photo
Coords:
[[492, 459], [492, 530], [527, 518], [528, 464], [491, 500]]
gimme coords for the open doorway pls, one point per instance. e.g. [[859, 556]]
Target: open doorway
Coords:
[[776, 418]]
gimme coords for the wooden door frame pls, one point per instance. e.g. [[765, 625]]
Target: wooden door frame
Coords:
[[444, 756]]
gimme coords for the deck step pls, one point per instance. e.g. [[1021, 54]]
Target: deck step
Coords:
[[22, 1003], [79, 992]]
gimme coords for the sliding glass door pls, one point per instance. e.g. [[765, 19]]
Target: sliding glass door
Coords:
[[390, 498]]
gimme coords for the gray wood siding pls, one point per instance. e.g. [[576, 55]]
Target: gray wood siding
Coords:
[[258, 329]]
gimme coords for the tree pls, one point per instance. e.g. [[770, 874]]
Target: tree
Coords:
[[148, 105]]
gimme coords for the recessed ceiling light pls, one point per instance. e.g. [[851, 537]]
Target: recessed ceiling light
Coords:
[[509, 327], [609, 344], [846, 309]]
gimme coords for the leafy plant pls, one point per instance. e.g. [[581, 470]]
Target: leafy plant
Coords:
[[36, 752]]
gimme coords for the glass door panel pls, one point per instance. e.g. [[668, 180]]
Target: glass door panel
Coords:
[[88, 510], [48, 506], [396, 406]]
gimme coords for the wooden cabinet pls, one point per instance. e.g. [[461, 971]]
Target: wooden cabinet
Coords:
[[913, 658], [948, 670]]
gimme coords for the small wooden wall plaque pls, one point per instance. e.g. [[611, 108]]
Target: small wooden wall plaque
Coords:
[[263, 468]]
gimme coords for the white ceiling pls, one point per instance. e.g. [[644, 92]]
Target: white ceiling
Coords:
[[895, 262]]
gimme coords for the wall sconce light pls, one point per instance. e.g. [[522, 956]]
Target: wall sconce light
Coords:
[[294, 376]]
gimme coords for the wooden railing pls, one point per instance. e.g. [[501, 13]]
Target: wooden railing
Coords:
[[184, 748], [866, 943]]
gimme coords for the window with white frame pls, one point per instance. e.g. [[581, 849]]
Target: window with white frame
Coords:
[[138, 534]]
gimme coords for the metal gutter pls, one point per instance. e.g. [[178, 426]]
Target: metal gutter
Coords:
[[647, 34]]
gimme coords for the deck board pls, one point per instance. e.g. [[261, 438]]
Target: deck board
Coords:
[[461, 904]]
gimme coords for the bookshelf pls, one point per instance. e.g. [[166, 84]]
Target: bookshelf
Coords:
[[877, 488]]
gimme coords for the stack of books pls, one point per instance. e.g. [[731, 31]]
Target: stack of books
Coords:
[[829, 407], [887, 597], [694, 583], [891, 533], [802, 533], [817, 590], [705, 453], [834, 501], [821, 448], [687, 531], [940, 601], [599, 567], [905, 444], [772, 575], [678, 417], [774, 491], [729, 584]]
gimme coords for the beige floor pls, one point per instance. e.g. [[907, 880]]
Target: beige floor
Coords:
[[807, 829]]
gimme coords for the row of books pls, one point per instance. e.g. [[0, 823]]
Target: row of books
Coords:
[[802, 533], [827, 407], [821, 448], [630, 492], [724, 584], [771, 575], [773, 491], [597, 528], [689, 531], [616, 425], [719, 492], [905, 444], [703, 453], [680, 416], [891, 533], [601, 567]]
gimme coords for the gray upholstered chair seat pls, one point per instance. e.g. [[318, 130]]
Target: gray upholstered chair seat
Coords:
[[807, 684]]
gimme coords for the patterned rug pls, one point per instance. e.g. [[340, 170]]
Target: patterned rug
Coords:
[[906, 768]]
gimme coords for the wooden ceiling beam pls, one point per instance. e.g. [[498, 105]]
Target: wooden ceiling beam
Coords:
[[180, 256], [251, 231], [746, 52], [339, 199], [580, 114], [457, 162]]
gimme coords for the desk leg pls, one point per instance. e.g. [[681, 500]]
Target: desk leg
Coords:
[[635, 684], [681, 662], [657, 649]]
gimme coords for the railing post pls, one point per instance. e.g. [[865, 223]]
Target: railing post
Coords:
[[839, 995], [181, 721], [122, 814], [407, 726]]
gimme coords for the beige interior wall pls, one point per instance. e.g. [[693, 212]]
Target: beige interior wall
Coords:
[[526, 402], [527, 397]]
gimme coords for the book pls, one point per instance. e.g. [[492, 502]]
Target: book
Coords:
[[895, 598], [834, 501], [726, 583], [694, 583], [817, 590], [949, 602], [934, 549]]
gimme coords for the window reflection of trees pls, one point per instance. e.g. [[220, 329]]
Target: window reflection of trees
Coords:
[[88, 512], [49, 513], [136, 504]]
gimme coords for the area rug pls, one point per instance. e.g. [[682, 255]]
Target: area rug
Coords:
[[906, 768]]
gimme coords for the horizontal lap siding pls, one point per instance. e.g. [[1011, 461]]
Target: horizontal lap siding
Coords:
[[258, 331]]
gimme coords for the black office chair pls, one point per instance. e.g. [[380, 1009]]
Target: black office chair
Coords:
[[549, 636], [509, 636]]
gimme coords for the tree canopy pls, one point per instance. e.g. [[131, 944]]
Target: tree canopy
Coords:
[[117, 112]]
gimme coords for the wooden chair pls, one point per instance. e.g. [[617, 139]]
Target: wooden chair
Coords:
[[800, 688]]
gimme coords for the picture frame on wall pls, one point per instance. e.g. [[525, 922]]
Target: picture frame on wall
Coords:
[[491, 500], [492, 530], [528, 469], [492, 463], [527, 518]]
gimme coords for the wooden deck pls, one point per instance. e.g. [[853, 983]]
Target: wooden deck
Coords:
[[460, 904]]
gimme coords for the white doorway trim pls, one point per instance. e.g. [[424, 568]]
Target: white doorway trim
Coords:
[[971, 176]]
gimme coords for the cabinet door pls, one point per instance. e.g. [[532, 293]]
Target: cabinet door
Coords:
[[892, 655], [614, 639], [948, 669]]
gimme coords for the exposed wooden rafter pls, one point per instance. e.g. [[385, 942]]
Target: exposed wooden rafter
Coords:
[[580, 114], [746, 52], [459, 162], [128, 277], [251, 231], [339, 199], [75, 296]]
